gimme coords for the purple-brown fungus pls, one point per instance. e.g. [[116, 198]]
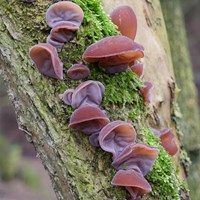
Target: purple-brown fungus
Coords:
[[167, 139], [146, 91], [115, 136], [139, 157], [114, 53], [47, 61], [126, 21], [137, 68], [87, 93], [78, 71], [134, 182], [64, 12]]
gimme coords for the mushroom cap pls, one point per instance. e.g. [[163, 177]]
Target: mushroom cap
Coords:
[[89, 92], [139, 157], [64, 12], [88, 119], [78, 71], [115, 136], [134, 182], [94, 139], [47, 61], [137, 68], [67, 96], [167, 140], [54, 42], [146, 91], [113, 50], [112, 69], [125, 19]]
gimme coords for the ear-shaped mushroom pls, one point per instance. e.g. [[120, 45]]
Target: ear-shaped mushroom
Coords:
[[137, 68], [78, 71], [125, 19], [64, 12], [94, 139], [67, 96], [60, 34], [139, 157], [134, 182], [88, 119], [87, 93], [146, 91], [47, 61], [114, 51], [115, 136], [167, 140]]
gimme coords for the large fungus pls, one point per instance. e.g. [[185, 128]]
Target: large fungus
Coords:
[[115, 136], [61, 34], [134, 182], [167, 138], [125, 19], [88, 119], [64, 12], [139, 157], [87, 93], [146, 91], [47, 61], [78, 71], [114, 53]]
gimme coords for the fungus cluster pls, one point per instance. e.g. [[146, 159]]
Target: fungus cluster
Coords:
[[114, 54]]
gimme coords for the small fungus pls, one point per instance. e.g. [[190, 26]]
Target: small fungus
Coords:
[[146, 91], [134, 182], [137, 68], [47, 61], [115, 136], [88, 119], [67, 96], [61, 34], [125, 19], [139, 157], [78, 71], [87, 93], [115, 52], [167, 140], [64, 12]]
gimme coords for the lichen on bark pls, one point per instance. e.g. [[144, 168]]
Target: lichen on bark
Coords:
[[77, 170]]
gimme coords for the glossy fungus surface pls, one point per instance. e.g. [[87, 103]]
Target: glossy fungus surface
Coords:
[[78, 71], [88, 119], [146, 91], [137, 68], [125, 19], [47, 61], [64, 12], [139, 157], [114, 51], [115, 136], [134, 182], [167, 138]]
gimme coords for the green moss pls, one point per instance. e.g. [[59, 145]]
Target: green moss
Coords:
[[164, 182]]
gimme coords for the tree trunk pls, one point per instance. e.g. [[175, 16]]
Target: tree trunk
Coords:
[[78, 170]]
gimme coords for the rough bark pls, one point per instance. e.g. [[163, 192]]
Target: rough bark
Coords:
[[77, 170], [188, 116]]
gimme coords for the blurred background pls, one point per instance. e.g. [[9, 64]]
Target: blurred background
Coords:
[[22, 175]]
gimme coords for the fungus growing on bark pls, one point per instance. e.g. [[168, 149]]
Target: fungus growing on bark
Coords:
[[78, 71], [139, 157], [88, 119], [146, 91], [134, 182], [64, 12], [67, 96], [87, 93], [167, 138], [114, 53], [61, 34], [47, 61], [137, 68], [115, 136], [125, 19]]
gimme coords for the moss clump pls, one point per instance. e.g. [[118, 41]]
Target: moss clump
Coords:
[[164, 182]]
